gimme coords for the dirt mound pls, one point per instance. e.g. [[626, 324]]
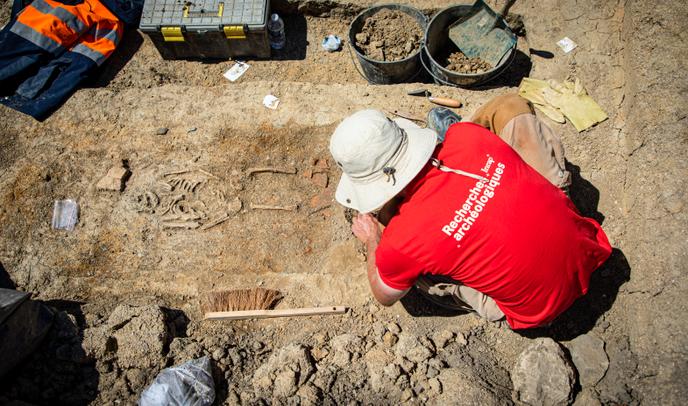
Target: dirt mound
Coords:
[[458, 62], [389, 35]]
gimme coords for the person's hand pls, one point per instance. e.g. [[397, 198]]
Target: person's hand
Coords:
[[366, 228]]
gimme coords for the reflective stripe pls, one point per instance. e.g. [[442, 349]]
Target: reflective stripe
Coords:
[[110, 34], [95, 56], [36, 37], [68, 18]]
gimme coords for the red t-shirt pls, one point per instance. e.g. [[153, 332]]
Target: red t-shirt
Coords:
[[516, 238]]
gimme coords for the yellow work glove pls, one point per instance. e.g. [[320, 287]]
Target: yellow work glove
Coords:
[[567, 99]]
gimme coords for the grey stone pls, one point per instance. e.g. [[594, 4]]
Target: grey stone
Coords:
[[589, 357], [587, 397], [441, 338], [434, 386], [406, 395], [390, 339], [410, 347], [378, 330], [393, 327], [309, 395], [235, 357], [161, 131], [392, 371], [459, 388], [460, 339], [286, 383], [344, 346], [432, 372], [219, 353], [283, 372], [542, 375], [378, 363]]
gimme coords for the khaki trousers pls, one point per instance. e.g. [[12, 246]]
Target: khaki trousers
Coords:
[[513, 119]]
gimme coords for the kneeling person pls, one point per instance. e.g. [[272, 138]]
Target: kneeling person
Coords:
[[477, 224]]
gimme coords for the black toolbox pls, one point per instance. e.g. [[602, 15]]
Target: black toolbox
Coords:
[[207, 29]]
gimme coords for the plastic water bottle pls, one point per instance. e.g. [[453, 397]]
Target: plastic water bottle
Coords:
[[276, 32]]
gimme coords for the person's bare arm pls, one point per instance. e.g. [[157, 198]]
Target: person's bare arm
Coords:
[[367, 229]]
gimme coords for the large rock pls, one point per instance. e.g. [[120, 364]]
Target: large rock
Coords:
[[284, 372], [589, 357], [542, 375]]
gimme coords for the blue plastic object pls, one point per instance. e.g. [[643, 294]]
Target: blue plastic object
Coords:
[[332, 43]]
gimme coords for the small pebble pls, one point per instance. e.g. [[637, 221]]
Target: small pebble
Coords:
[[393, 327], [390, 339], [162, 131]]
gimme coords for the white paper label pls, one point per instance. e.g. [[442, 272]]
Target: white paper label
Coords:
[[271, 102], [236, 71], [567, 44]]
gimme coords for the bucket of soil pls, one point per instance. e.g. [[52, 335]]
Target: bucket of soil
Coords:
[[387, 40], [447, 64]]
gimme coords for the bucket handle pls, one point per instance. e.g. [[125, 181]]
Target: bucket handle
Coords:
[[351, 55], [422, 61]]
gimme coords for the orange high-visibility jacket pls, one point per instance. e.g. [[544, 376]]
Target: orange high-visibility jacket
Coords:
[[88, 28]]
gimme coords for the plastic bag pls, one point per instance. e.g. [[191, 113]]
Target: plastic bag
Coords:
[[188, 384], [332, 43], [65, 214]]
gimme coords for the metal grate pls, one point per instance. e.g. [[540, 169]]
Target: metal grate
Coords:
[[203, 12]]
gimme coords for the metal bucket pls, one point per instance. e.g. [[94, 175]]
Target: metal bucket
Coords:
[[436, 47], [380, 72]]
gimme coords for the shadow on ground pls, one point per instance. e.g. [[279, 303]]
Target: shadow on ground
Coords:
[[418, 306], [130, 44], [584, 195], [57, 371], [296, 30]]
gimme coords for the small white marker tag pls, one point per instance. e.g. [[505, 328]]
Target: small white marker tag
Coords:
[[567, 45], [236, 71]]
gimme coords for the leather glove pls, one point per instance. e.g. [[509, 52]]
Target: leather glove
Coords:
[[559, 100]]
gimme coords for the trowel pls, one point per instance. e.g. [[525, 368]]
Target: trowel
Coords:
[[479, 35], [442, 101]]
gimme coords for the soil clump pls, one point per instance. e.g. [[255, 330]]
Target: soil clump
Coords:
[[389, 35], [458, 62]]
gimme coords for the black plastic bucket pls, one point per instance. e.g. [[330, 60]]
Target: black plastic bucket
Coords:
[[380, 72], [437, 46]]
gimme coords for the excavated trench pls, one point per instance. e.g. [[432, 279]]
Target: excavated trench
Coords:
[[126, 283]]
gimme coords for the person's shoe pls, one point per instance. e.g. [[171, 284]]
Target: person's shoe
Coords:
[[439, 119]]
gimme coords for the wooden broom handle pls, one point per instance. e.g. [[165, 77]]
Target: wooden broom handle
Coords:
[[267, 314]]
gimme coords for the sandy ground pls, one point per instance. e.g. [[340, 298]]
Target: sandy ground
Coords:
[[629, 174]]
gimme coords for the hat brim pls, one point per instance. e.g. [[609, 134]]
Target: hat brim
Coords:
[[368, 197]]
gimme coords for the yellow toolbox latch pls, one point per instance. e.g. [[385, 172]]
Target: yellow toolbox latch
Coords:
[[172, 34], [235, 32]]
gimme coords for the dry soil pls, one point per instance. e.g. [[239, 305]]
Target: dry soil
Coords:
[[127, 289]]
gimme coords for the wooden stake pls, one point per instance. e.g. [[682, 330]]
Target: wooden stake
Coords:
[[291, 207], [267, 314], [270, 169]]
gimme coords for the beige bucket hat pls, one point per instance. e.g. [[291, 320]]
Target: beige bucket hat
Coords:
[[378, 157]]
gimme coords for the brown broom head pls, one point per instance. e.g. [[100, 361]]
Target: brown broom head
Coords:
[[240, 299]]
